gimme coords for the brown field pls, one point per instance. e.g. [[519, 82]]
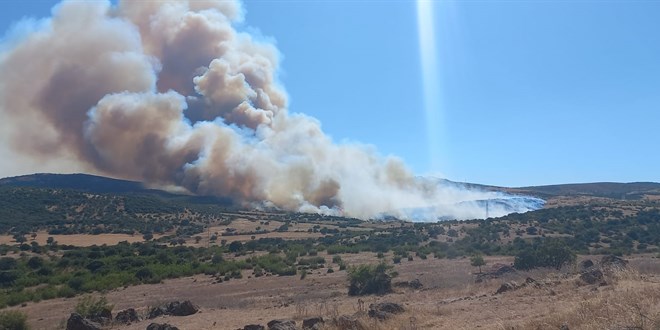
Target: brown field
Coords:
[[78, 239], [450, 299]]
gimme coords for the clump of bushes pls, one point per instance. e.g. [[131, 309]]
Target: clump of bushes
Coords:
[[370, 279], [90, 306], [551, 253], [13, 320]]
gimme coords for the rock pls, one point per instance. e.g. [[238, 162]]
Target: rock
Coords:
[[104, 317], [282, 325], [613, 261], [313, 323], [586, 264], [501, 269], [346, 322], [77, 322], [156, 312], [385, 310], [591, 276], [414, 284], [161, 326], [505, 287], [175, 308], [564, 327], [254, 327], [185, 308], [127, 316], [496, 271]]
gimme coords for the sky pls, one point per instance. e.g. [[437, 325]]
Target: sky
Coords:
[[527, 93]]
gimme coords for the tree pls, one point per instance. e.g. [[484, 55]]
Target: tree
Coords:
[[370, 279], [551, 253], [235, 246], [477, 261]]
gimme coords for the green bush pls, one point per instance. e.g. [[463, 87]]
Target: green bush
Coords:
[[13, 320], [552, 253], [89, 306], [370, 279]]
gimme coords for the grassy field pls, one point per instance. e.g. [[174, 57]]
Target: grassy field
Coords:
[[450, 299]]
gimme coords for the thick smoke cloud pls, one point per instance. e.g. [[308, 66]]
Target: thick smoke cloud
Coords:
[[170, 93]]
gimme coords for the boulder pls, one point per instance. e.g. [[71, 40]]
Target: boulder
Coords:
[[282, 325], [184, 308], [586, 264], [127, 316], [77, 322], [254, 327], [346, 322], [506, 287], [104, 317], [613, 261], [385, 310], [161, 326], [156, 312], [592, 276], [313, 323], [414, 284], [174, 308]]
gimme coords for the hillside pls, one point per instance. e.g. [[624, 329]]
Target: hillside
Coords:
[[633, 190]]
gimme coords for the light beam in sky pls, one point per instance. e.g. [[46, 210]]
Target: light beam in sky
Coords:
[[432, 88]]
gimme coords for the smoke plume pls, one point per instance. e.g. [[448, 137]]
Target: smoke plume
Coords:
[[170, 93]]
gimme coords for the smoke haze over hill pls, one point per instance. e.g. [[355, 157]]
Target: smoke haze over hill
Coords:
[[171, 94]]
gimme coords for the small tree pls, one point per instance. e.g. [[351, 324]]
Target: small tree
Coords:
[[477, 261], [370, 279]]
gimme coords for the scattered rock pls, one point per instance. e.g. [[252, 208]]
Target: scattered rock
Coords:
[[586, 264], [175, 308], [385, 310], [104, 317], [254, 327], [282, 325], [506, 287], [127, 316], [77, 322], [182, 308], [313, 323], [346, 322], [414, 284], [496, 271], [613, 261], [161, 326], [591, 276]]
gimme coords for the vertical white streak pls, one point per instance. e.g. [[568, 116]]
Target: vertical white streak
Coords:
[[430, 79]]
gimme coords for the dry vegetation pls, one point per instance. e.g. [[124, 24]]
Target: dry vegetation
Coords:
[[450, 299]]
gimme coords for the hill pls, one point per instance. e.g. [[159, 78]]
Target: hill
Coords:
[[633, 190]]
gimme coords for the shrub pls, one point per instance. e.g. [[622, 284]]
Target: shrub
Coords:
[[549, 254], [13, 320], [89, 306], [477, 261], [369, 279]]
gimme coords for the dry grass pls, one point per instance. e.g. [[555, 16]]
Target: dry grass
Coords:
[[449, 300], [630, 302]]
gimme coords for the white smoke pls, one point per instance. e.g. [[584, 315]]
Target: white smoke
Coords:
[[170, 93]]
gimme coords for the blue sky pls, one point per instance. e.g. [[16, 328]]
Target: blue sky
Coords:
[[530, 92]]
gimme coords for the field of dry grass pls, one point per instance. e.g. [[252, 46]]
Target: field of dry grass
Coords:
[[450, 299]]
